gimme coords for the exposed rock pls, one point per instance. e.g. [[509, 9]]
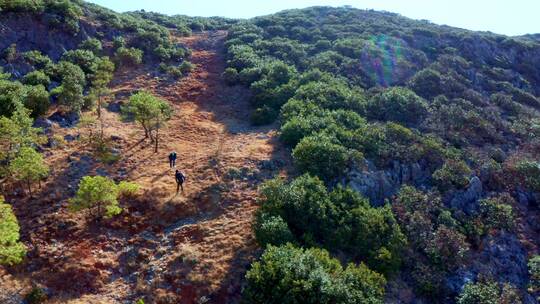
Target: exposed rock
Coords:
[[70, 138], [114, 107], [65, 120], [377, 185], [43, 123], [504, 258], [467, 200]]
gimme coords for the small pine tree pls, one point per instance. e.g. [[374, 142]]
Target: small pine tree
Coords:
[[12, 251], [151, 112], [29, 167], [100, 194], [101, 79]]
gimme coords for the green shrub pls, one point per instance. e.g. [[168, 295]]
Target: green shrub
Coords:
[[70, 91], [10, 53], [22, 6], [12, 95], [488, 293], [119, 42], [37, 100], [299, 127], [12, 251], [454, 173], [398, 105], [98, 194], [264, 115], [93, 45], [272, 230], [128, 189], [128, 56], [506, 103], [427, 83], [320, 156], [38, 60], [530, 172], [66, 14], [85, 59], [186, 67], [36, 296], [341, 220], [534, 273], [333, 94], [230, 76], [36, 78], [310, 276], [497, 212]]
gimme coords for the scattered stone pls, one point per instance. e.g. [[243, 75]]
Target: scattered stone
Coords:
[[65, 120], [70, 138]]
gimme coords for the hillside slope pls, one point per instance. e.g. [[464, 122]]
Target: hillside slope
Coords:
[[187, 246], [332, 155]]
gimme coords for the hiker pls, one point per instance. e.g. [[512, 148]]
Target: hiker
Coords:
[[172, 159], [180, 178]]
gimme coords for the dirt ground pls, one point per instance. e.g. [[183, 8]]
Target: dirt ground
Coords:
[[193, 247]]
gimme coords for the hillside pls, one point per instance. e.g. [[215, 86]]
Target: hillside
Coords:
[[331, 155]]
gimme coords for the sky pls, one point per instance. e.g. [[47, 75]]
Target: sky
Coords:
[[509, 17]]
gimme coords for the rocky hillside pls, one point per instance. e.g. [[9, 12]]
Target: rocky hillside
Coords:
[[332, 155], [437, 124]]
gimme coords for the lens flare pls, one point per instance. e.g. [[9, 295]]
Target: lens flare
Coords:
[[381, 57]]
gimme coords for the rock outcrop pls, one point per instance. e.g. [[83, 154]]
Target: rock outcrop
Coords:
[[378, 185]]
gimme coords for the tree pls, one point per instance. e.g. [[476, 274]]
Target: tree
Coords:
[[100, 81], [36, 78], [151, 112], [12, 251], [97, 193], [37, 100], [70, 92], [291, 275], [29, 167], [12, 94], [85, 59], [16, 133], [89, 123]]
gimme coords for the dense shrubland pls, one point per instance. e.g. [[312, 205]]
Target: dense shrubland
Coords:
[[358, 91]]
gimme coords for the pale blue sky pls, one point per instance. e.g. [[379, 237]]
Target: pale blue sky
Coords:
[[510, 17]]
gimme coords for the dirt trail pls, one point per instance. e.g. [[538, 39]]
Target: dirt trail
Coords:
[[187, 248]]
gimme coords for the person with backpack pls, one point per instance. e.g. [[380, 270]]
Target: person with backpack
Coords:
[[172, 159], [180, 179]]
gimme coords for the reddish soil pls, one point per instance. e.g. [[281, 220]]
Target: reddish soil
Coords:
[[193, 247]]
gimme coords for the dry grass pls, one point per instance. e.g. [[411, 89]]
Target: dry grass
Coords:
[[193, 247]]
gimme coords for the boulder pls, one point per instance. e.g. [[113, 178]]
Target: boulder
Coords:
[[43, 123], [65, 120], [378, 185], [467, 200]]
